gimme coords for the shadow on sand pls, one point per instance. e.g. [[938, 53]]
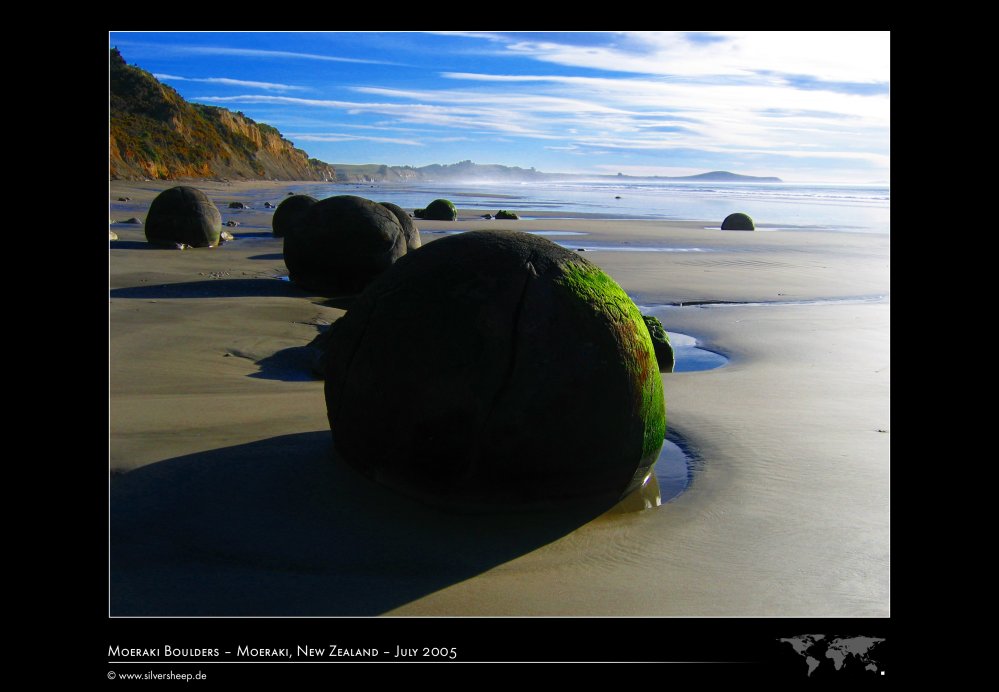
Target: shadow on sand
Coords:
[[216, 288], [137, 245], [270, 256], [284, 527], [292, 364]]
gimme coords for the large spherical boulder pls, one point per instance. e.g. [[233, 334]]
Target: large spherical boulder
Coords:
[[183, 215], [438, 210], [496, 370], [341, 243], [289, 213], [738, 222], [409, 228], [660, 342]]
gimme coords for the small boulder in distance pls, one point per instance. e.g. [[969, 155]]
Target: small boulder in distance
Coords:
[[438, 210], [507, 215], [738, 222]]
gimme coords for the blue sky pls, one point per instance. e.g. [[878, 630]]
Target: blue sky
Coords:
[[804, 106]]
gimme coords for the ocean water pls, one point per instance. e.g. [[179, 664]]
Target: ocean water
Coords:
[[773, 206]]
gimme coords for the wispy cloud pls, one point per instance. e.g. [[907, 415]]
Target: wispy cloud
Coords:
[[270, 86], [186, 49], [835, 56], [336, 137], [638, 97], [636, 114], [465, 117]]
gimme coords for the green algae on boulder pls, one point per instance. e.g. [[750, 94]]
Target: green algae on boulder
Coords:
[[535, 385], [342, 243], [289, 213], [409, 228], [507, 215], [183, 215], [738, 222], [438, 210], [660, 341]]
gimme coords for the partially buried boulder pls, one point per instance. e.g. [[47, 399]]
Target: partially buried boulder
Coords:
[[342, 243], [183, 215], [507, 215], [438, 210], [661, 344], [496, 370], [237, 205], [408, 227], [738, 222], [289, 213]]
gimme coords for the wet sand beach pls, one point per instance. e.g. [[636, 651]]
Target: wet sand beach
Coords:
[[225, 496]]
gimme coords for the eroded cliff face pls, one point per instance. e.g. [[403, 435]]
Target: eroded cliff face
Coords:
[[155, 133]]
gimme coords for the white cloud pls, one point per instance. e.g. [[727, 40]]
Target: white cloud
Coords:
[[862, 57], [270, 86], [246, 52], [334, 137]]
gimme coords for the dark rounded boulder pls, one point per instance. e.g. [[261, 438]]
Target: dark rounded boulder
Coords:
[[738, 222], [409, 228], [507, 215], [341, 243], [238, 205], [661, 344], [268, 205], [183, 215], [289, 213], [496, 370], [438, 210]]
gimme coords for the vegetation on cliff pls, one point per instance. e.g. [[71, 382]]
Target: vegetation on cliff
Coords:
[[155, 133]]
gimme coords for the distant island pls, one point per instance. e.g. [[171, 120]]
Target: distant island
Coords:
[[155, 133]]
